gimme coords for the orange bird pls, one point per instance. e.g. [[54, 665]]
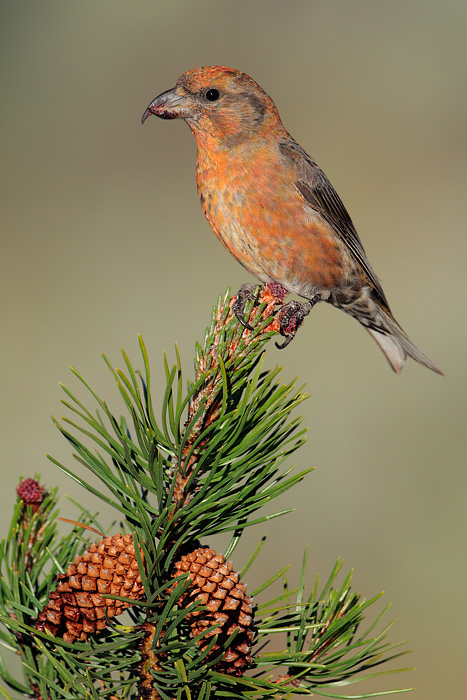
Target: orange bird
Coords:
[[275, 210]]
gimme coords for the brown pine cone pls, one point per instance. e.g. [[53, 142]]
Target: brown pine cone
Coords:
[[218, 587], [78, 606]]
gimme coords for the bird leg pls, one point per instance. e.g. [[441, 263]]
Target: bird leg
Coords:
[[245, 293], [277, 290], [292, 317]]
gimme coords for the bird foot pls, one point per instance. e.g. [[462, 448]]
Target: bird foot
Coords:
[[292, 317], [245, 293], [277, 290]]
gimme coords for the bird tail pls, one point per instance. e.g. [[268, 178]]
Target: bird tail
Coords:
[[394, 342]]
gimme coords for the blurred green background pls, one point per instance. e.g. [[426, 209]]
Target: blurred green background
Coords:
[[103, 237]]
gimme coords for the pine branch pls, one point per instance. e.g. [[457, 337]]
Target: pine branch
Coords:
[[209, 465]]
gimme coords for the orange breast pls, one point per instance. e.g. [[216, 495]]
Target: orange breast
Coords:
[[254, 208]]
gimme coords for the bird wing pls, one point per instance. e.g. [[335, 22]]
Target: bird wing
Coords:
[[319, 193]]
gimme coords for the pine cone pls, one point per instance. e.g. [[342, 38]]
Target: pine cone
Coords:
[[78, 607], [31, 493], [216, 586]]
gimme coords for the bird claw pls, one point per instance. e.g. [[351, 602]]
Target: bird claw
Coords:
[[288, 339], [245, 293], [292, 317]]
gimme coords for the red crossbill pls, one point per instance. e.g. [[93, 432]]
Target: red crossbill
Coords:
[[274, 209]]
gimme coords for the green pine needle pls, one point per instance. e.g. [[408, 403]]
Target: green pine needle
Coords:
[[205, 463]]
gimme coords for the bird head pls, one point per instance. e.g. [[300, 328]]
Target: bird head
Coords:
[[217, 103]]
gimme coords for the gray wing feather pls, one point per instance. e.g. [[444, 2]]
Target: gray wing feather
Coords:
[[319, 193]]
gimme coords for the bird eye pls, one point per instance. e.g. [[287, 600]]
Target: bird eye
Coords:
[[212, 95]]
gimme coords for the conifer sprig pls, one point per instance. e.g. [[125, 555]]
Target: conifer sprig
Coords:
[[30, 557], [214, 458], [205, 464]]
